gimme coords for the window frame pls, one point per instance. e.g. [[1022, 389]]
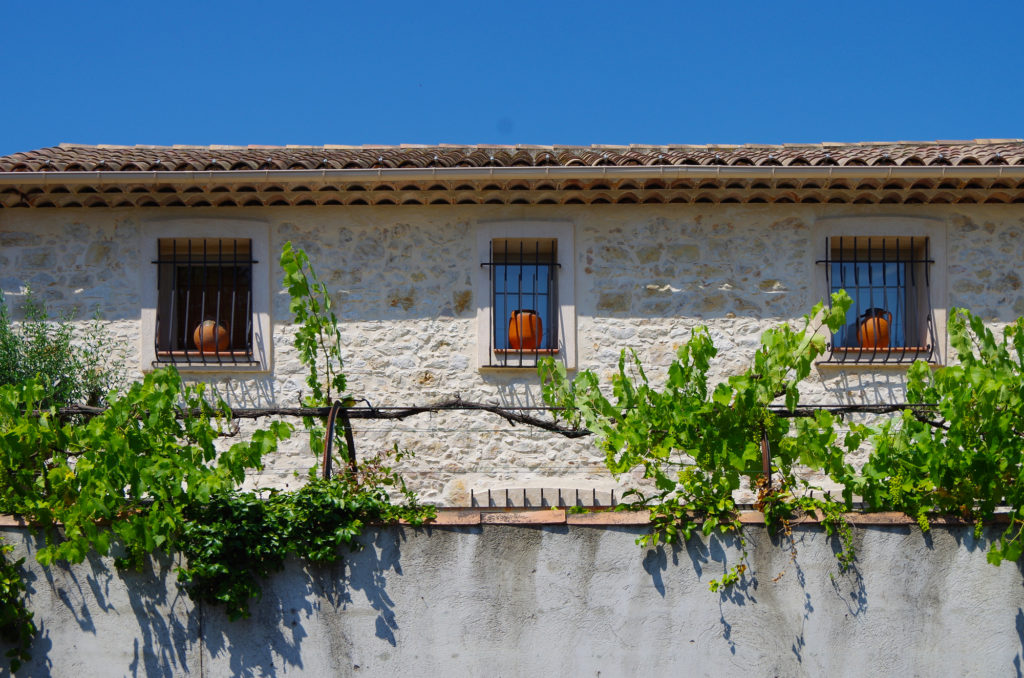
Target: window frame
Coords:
[[258, 235], [564, 309], [931, 325], [199, 280]]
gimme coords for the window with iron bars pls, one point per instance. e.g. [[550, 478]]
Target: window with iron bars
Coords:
[[204, 301], [524, 300], [888, 278]]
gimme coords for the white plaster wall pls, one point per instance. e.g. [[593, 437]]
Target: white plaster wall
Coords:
[[555, 600], [645, 275]]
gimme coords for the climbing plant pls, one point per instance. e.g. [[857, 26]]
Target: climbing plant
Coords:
[[128, 473], [317, 340], [962, 455], [152, 471], [699, 443], [957, 449], [16, 625], [238, 538]]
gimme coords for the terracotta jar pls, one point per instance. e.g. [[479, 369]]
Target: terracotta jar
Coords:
[[873, 329], [525, 330], [211, 337]]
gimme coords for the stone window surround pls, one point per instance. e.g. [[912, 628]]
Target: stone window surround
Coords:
[[562, 231], [888, 225], [258, 232]]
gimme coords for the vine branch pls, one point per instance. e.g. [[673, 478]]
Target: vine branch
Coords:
[[514, 415]]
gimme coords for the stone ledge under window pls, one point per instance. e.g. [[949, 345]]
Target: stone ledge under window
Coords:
[[516, 351], [898, 356], [194, 359]]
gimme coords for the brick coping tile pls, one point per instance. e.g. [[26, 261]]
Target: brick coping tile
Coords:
[[604, 517]]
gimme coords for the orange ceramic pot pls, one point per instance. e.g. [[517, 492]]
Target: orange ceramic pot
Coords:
[[211, 337], [525, 330], [873, 330]]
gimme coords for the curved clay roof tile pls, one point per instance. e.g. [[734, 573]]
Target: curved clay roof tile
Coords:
[[520, 159], [115, 159], [546, 159], [572, 161], [686, 160]]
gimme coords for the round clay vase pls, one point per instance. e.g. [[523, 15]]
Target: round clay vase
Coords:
[[873, 329], [211, 337], [525, 330]]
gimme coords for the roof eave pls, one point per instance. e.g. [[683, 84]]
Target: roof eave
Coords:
[[298, 176]]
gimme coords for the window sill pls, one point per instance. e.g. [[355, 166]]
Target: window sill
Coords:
[[195, 360], [893, 349], [510, 359], [898, 356], [530, 352]]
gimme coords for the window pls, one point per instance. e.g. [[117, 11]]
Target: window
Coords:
[[525, 294], [524, 289], [204, 300], [888, 278], [210, 274]]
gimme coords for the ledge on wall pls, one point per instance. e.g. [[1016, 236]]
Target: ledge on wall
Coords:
[[602, 517]]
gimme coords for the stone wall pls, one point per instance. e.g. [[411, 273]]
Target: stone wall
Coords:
[[402, 277], [566, 600]]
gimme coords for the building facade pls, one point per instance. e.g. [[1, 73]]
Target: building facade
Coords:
[[454, 269]]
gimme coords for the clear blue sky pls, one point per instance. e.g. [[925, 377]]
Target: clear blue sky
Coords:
[[507, 72]]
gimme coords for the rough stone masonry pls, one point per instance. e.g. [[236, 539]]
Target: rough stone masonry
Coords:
[[402, 279]]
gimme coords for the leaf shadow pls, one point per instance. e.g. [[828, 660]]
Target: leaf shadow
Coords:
[[319, 593]]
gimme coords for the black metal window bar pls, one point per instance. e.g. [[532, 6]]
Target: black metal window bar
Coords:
[[524, 285], [888, 278], [204, 301]]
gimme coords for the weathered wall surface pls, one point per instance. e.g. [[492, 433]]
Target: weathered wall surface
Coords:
[[645, 275], [554, 600]]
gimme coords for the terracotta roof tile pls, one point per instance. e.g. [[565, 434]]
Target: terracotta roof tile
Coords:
[[81, 158]]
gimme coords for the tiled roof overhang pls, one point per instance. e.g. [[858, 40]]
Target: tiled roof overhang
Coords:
[[914, 173]]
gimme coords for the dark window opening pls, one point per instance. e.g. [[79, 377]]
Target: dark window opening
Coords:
[[888, 278], [524, 300], [204, 300]]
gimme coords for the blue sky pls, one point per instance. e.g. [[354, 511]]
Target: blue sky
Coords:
[[524, 72]]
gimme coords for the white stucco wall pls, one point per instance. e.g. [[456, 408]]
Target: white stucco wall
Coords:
[[402, 278], [561, 600]]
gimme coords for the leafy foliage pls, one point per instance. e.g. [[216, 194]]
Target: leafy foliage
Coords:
[[697, 444], [148, 473], [72, 369], [16, 625], [964, 457], [317, 340], [958, 449], [237, 538], [128, 472]]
